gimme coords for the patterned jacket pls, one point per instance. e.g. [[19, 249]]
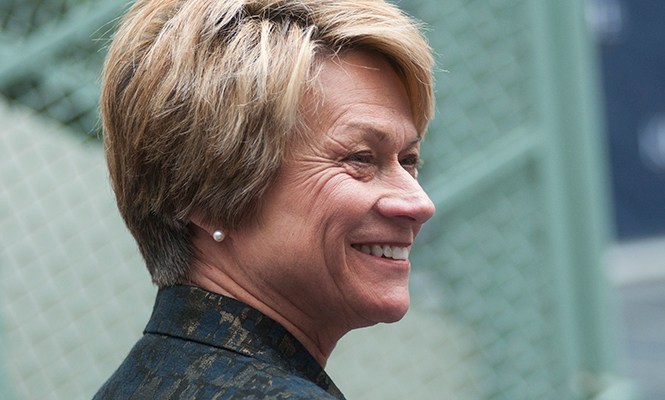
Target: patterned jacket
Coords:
[[202, 345]]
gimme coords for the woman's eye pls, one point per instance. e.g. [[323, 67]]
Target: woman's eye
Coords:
[[411, 161], [360, 158]]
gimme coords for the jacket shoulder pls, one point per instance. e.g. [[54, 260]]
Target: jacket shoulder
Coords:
[[163, 367]]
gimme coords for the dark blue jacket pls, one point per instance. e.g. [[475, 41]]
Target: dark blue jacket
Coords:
[[202, 345]]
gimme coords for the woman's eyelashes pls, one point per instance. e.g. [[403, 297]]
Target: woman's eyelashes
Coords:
[[411, 163], [410, 160], [363, 157], [361, 165], [365, 162]]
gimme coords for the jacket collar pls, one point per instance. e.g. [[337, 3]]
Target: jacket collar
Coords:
[[192, 313]]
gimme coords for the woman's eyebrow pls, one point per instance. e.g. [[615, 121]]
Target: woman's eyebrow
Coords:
[[415, 141], [380, 135]]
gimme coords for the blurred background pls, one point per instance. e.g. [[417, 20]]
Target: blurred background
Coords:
[[542, 275]]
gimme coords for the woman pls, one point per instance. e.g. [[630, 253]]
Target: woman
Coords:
[[263, 155]]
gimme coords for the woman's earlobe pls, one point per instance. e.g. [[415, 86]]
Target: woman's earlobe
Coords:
[[218, 235]]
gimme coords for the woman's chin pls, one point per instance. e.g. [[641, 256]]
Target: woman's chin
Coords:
[[397, 313], [390, 309]]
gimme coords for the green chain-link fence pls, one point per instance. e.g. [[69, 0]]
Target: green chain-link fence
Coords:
[[500, 307], [73, 293], [51, 52]]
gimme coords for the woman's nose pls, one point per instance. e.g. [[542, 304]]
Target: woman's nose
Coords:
[[407, 201]]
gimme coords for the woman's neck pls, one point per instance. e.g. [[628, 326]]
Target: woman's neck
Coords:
[[319, 341]]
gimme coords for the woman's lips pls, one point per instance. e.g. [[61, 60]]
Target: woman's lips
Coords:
[[384, 251]]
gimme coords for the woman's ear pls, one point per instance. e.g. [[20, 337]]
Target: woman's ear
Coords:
[[200, 224]]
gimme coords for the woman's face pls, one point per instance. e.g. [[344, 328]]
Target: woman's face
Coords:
[[348, 189]]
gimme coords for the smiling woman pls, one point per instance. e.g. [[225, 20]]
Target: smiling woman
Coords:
[[264, 156]]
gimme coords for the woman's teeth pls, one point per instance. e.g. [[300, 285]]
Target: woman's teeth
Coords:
[[394, 252]]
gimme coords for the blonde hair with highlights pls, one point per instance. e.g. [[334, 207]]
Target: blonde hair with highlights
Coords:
[[200, 103]]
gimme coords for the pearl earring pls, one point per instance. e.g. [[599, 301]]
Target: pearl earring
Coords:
[[218, 236]]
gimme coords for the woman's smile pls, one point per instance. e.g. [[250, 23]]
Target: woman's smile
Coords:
[[383, 251]]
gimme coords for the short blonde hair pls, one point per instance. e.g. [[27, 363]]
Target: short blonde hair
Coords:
[[200, 104]]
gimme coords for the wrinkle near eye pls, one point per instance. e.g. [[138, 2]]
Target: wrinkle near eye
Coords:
[[360, 171]]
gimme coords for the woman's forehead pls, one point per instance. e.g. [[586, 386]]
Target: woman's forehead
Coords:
[[357, 84]]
